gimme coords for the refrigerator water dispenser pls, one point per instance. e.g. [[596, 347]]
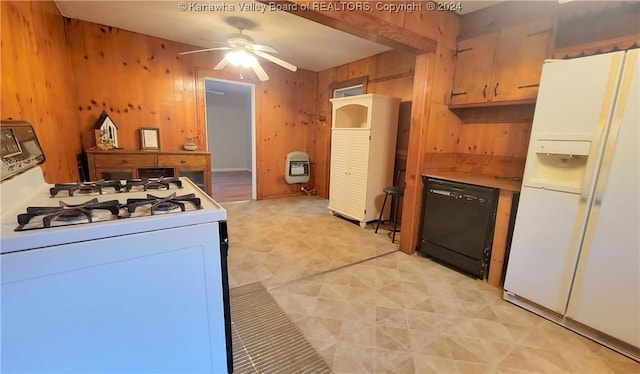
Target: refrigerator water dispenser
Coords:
[[558, 165]]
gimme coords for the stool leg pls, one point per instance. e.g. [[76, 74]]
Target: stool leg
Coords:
[[381, 211], [395, 222]]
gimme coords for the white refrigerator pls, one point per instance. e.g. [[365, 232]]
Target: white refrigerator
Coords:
[[575, 254]]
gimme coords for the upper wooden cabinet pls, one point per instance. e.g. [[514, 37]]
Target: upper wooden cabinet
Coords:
[[501, 67]]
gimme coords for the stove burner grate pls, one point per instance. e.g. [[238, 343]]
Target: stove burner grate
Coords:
[[68, 212], [161, 183], [164, 203], [85, 187]]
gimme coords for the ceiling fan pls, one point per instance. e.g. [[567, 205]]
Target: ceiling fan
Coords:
[[243, 51]]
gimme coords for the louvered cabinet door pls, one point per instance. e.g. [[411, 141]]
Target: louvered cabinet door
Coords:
[[339, 169], [357, 174]]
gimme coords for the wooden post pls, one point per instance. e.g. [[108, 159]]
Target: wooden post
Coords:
[[500, 232], [420, 109]]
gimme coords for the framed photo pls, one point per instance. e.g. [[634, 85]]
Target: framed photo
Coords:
[[150, 138]]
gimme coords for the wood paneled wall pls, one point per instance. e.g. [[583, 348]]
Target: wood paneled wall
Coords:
[[142, 82], [389, 73], [37, 83], [494, 141]]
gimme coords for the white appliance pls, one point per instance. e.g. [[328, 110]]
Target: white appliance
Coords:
[[575, 255], [128, 292]]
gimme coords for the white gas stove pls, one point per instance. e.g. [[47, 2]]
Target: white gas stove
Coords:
[[108, 276], [33, 218]]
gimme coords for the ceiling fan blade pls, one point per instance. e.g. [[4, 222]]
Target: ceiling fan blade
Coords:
[[276, 60], [262, 75], [205, 50], [213, 41], [221, 64], [263, 48]]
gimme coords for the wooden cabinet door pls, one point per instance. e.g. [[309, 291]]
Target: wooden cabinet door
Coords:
[[520, 52], [474, 64]]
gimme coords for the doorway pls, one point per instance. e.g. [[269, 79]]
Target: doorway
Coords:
[[229, 113]]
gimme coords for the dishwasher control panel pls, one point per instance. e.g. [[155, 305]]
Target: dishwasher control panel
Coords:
[[458, 195]]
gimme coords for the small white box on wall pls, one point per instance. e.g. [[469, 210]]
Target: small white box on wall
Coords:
[[296, 167]]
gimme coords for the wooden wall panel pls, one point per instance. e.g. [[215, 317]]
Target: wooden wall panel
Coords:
[[37, 83], [436, 25], [389, 73], [138, 80], [141, 81], [495, 139], [285, 118]]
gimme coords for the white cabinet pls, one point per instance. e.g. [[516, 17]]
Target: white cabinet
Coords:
[[363, 141]]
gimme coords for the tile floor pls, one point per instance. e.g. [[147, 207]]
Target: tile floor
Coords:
[[393, 313]]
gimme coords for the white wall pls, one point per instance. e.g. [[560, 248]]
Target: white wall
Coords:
[[229, 130]]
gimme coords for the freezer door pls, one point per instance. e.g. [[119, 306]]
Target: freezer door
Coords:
[[572, 93], [606, 293], [574, 104], [545, 246]]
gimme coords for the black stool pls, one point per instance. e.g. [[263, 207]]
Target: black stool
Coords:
[[396, 192]]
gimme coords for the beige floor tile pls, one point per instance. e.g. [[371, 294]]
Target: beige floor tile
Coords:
[[358, 332], [428, 365], [393, 361], [354, 359], [429, 343], [395, 313]]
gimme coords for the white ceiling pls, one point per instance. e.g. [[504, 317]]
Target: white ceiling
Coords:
[[309, 45]]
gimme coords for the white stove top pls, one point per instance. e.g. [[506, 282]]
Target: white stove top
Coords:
[[29, 190]]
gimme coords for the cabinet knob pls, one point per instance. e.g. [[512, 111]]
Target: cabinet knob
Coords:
[[183, 161], [125, 161], [495, 89], [484, 91]]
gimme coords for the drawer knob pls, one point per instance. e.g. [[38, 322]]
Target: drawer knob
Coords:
[[125, 161], [183, 161]]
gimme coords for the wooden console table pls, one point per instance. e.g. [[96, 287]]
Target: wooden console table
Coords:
[[122, 164]]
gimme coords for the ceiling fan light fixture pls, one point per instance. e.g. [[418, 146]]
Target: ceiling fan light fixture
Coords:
[[240, 57]]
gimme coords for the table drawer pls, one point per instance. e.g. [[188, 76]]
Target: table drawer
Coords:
[[124, 160], [180, 161]]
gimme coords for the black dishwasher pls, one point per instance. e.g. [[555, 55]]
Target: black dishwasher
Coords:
[[458, 222]]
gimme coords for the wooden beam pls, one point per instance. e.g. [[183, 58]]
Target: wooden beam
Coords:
[[500, 234], [361, 24], [421, 107]]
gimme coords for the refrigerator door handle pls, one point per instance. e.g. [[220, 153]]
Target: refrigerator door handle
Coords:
[[584, 191], [614, 130], [600, 135]]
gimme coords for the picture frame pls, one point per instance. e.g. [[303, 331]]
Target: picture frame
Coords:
[[150, 138]]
